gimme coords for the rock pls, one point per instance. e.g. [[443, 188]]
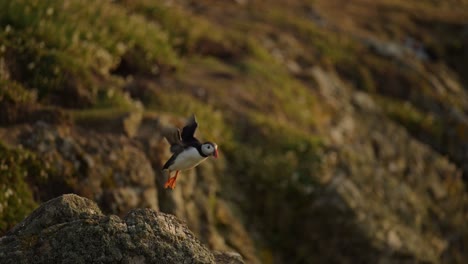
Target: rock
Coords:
[[387, 49], [131, 122], [293, 67], [227, 257], [364, 101], [72, 229], [117, 122], [112, 171], [394, 240], [394, 186]]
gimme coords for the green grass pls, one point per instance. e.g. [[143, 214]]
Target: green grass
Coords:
[[14, 93], [416, 121], [279, 94], [53, 46], [330, 46], [278, 163], [184, 105], [16, 199], [97, 115], [15, 101], [187, 32]]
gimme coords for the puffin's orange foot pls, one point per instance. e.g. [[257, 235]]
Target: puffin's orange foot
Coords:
[[170, 183]]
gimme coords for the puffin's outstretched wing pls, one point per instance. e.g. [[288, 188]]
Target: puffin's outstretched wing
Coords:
[[172, 136], [189, 130]]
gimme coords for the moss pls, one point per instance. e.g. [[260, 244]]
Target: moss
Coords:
[[16, 200]]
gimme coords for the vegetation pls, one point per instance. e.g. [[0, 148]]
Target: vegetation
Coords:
[[249, 80], [16, 200], [61, 49]]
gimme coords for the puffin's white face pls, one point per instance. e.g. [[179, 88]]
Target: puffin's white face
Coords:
[[210, 149]]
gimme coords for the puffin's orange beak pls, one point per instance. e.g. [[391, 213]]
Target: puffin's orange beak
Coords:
[[215, 154]]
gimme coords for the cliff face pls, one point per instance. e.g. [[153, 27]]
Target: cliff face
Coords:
[[73, 229], [342, 125]]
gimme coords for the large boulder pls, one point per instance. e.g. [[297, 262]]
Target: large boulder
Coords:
[[72, 229]]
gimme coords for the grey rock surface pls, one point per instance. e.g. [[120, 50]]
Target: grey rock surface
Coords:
[[72, 229]]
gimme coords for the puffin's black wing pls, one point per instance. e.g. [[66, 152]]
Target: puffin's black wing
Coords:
[[189, 130], [173, 137]]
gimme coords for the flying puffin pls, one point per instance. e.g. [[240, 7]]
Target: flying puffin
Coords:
[[188, 151]]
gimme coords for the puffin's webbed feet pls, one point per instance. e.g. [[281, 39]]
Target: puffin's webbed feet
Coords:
[[171, 181]]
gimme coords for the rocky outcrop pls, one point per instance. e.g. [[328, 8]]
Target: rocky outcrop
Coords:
[[72, 229], [107, 168], [400, 192], [121, 173]]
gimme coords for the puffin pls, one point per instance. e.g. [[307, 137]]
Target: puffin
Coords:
[[188, 151]]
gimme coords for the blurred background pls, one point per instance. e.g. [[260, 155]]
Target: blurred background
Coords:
[[342, 125]]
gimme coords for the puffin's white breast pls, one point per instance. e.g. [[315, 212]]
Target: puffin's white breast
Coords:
[[187, 159]]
